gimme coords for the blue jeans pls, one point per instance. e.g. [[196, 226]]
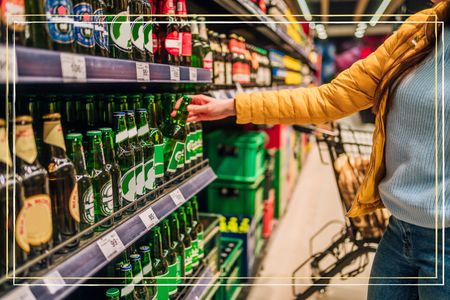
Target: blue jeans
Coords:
[[408, 250]]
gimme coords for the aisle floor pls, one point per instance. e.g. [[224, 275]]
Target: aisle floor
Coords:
[[315, 201]]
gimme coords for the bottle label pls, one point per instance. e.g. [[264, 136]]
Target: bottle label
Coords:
[[132, 132], [143, 130], [208, 61], [107, 204], [219, 72], [201, 246], [138, 278], [5, 156], [121, 136], [140, 179], [74, 208], [168, 8], [155, 42], [101, 32], [181, 157], [13, 14], [176, 157], [195, 253], [84, 29], [88, 212], [137, 33], [188, 148], [120, 31], [181, 7], [159, 160], [198, 147], [53, 134], [147, 269], [149, 175], [188, 260], [127, 290], [172, 279], [179, 269], [162, 287], [172, 43], [60, 21], [148, 37], [34, 222], [186, 44], [129, 185], [25, 143]]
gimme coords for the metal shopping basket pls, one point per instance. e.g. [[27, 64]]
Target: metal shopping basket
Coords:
[[347, 255]]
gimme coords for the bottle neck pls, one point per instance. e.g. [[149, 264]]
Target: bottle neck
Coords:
[[25, 144], [96, 156], [120, 130], [167, 7], [203, 33], [157, 245], [54, 138], [5, 156], [108, 149], [78, 158], [166, 236], [175, 230]]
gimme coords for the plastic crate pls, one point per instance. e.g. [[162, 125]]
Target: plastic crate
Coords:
[[236, 156], [236, 199], [230, 271], [211, 239], [259, 238]]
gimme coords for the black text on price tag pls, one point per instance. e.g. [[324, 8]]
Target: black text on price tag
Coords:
[[174, 73], [54, 281], [73, 67], [20, 293], [149, 218], [177, 197], [192, 74], [111, 245], [142, 72]]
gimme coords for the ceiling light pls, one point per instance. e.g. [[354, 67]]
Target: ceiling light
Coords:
[[305, 9], [379, 12]]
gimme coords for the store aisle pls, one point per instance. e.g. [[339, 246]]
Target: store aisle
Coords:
[[315, 202]]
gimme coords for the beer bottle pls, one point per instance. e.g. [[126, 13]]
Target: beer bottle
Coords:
[[121, 103], [113, 294], [75, 153], [147, 270], [199, 141], [178, 245], [138, 155], [140, 290], [69, 114], [207, 52], [198, 228], [126, 159], [134, 102], [197, 46], [36, 35], [12, 15], [119, 30], [87, 113], [159, 110], [101, 28], [193, 233], [187, 242], [189, 153], [156, 9], [219, 62], [136, 8], [171, 257], [108, 110], [168, 102], [185, 34], [36, 109], [148, 30], [60, 24], [127, 292], [160, 264], [63, 184], [169, 34], [84, 26], [226, 57], [34, 227], [101, 179], [113, 167], [148, 149]]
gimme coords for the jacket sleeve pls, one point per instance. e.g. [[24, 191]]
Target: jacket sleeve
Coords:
[[352, 90]]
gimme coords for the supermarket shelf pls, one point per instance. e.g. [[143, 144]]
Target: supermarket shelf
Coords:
[[200, 287], [45, 66], [75, 268]]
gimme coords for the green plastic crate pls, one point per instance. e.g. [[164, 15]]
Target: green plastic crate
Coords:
[[236, 199], [259, 238], [231, 271], [211, 239], [236, 156]]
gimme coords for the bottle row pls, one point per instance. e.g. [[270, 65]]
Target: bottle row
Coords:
[[73, 180]]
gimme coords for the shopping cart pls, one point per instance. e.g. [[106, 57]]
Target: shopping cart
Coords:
[[348, 255]]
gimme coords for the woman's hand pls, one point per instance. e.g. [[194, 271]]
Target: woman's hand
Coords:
[[204, 108]]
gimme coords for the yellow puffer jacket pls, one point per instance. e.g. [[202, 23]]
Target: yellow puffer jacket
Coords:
[[351, 91]]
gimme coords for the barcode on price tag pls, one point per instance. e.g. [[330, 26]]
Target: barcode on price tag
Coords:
[[53, 281], [20, 293], [174, 73], [73, 67], [111, 245], [192, 74], [142, 72], [177, 197], [149, 218]]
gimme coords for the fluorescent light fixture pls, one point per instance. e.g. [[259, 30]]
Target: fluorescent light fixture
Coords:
[[379, 12], [305, 9], [362, 25]]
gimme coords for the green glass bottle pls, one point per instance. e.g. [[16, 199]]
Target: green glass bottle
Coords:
[[168, 101], [199, 142], [140, 290], [138, 155], [113, 294], [178, 245], [75, 153], [160, 265], [171, 257], [187, 241], [87, 114], [147, 269], [135, 102], [127, 291], [125, 158], [121, 103], [193, 233], [148, 31], [136, 9], [148, 148], [159, 110], [199, 228], [108, 109], [197, 47], [113, 167], [101, 179], [119, 29]]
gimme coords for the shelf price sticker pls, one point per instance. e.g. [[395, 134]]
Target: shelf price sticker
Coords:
[[20, 293], [8, 64], [192, 74], [111, 245], [53, 281], [174, 73], [177, 197], [149, 218], [142, 72], [73, 67]]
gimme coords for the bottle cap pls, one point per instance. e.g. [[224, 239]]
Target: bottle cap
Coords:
[[125, 267], [113, 292], [51, 116], [74, 136], [141, 110], [24, 119], [135, 257], [93, 133], [144, 249], [106, 129], [119, 113]]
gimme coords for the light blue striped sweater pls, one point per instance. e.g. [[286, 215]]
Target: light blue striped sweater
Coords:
[[409, 189]]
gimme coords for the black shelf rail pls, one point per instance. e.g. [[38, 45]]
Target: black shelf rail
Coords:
[[70, 270]]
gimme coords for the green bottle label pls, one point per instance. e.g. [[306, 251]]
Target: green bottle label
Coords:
[[195, 253], [121, 31], [188, 260], [127, 290], [140, 180], [175, 158], [149, 175], [201, 246], [197, 144], [173, 279], [200, 143], [107, 204], [179, 269], [88, 215], [129, 185], [137, 33], [162, 287], [159, 160]]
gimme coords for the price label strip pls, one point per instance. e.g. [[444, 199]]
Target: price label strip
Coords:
[[149, 218], [142, 72], [192, 74], [20, 293], [111, 245], [177, 197], [54, 281], [73, 67], [174, 73]]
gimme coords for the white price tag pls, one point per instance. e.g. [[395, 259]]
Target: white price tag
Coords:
[[142, 72], [111, 244], [20, 293], [73, 67], [7, 64], [54, 281], [177, 197], [192, 74], [174, 73], [149, 218]]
